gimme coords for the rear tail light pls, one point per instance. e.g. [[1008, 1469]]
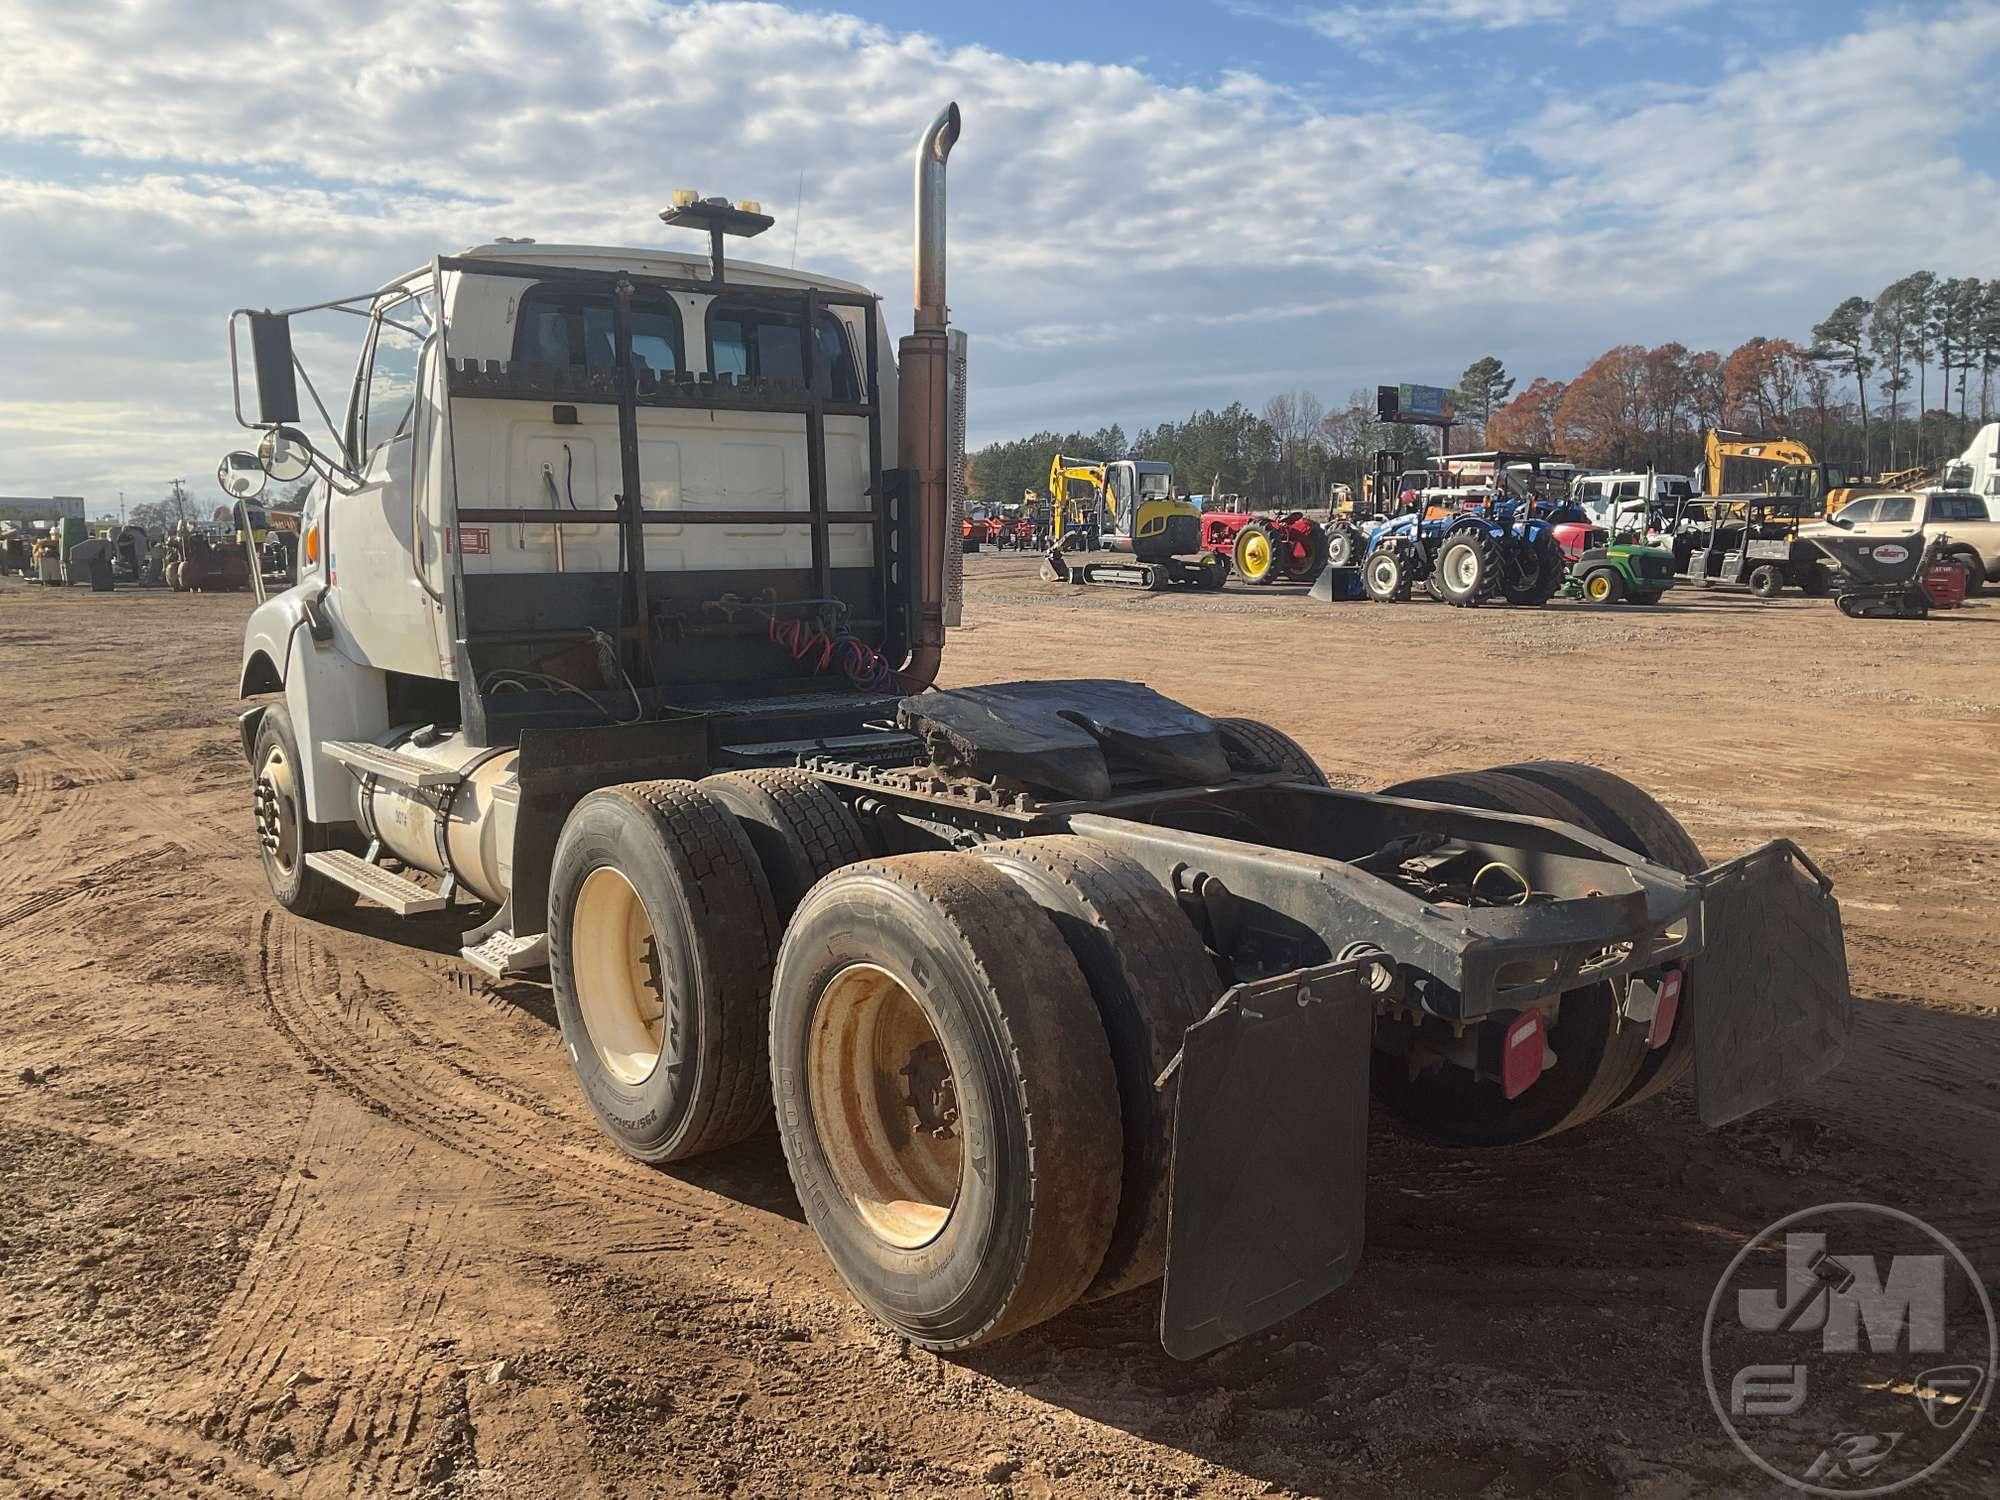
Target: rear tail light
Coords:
[[1521, 1054], [1663, 1015]]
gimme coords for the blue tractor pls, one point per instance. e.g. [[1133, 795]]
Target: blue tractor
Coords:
[[1500, 544]]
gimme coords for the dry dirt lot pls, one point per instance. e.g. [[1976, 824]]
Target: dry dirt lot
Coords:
[[299, 1210]]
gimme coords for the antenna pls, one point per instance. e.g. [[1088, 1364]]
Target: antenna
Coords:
[[797, 201]]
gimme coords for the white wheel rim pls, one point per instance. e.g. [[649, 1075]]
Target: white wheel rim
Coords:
[[885, 1110], [1383, 572], [622, 989], [1463, 564], [283, 808]]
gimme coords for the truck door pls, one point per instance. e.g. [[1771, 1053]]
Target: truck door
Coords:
[[383, 556], [1889, 515]]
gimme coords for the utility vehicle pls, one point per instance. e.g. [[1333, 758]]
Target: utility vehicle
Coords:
[[624, 590]]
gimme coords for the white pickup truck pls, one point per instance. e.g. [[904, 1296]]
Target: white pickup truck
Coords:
[[1967, 519]]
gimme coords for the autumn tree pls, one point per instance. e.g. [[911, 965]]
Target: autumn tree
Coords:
[[1527, 424], [1602, 418]]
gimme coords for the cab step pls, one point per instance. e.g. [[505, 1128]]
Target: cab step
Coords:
[[384, 887], [502, 954], [389, 765]]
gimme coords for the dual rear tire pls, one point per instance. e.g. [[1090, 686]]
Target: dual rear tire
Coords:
[[1602, 1062], [961, 1047]]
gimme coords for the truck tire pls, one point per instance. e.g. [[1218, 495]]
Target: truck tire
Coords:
[[661, 935], [1468, 569], [1767, 580], [1152, 979], [1252, 745], [285, 834], [1631, 819], [1255, 554], [1596, 1058], [945, 1097], [799, 826]]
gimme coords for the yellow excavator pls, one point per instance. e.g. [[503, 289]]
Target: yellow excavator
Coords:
[[1736, 465], [1076, 495], [1129, 507]]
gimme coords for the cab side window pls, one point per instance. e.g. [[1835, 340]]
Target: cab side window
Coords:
[[1858, 513], [399, 334], [1896, 508]]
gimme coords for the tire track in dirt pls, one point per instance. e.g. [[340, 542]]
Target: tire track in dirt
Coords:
[[56, 1441], [351, 1037], [95, 884], [329, 1349]]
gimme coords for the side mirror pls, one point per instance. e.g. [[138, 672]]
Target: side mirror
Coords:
[[241, 476], [284, 454], [277, 376]]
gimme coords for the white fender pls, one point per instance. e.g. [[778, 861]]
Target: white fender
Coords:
[[328, 695]]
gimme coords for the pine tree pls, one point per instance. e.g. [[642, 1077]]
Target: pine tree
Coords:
[[1482, 389]]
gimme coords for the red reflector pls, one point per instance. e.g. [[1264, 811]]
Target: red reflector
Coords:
[[1663, 1016], [1521, 1055]]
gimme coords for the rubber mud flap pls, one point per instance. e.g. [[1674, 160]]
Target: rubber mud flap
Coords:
[[1769, 991], [1264, 1210]]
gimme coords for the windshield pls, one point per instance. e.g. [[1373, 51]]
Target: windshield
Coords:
[[1797, 481]]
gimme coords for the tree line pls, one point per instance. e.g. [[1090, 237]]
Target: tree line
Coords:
[[1634, 406], [1859, 393], [1286, 455]]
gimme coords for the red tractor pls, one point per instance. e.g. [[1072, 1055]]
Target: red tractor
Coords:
[[1266, 549]]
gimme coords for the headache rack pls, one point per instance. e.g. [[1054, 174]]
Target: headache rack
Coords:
[[631, 386]]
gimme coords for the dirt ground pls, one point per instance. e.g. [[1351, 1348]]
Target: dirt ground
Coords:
[[290, 1209]]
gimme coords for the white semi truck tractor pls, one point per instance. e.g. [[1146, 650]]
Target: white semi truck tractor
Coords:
[[621, 597]]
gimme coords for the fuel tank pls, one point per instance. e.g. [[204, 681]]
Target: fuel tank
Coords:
[[465, 828]]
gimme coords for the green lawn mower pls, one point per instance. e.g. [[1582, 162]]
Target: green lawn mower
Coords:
[[1622, 572]]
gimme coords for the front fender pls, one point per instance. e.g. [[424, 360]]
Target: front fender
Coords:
[[267, 642]]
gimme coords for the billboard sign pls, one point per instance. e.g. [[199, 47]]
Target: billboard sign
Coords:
[[1424, 405]]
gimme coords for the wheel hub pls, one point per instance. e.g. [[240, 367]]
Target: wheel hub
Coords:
[[885, 1105], [932, 1098]]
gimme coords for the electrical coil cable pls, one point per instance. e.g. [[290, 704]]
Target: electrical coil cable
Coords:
[[853, 657]]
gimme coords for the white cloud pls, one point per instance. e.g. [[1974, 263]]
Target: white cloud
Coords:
[[1122, 248], [1368, 23]]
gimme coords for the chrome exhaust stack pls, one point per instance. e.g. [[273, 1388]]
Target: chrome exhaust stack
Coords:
[[923, 429]]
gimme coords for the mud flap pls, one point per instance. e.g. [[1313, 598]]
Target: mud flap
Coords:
[[1264, 1210], [1769, 997]]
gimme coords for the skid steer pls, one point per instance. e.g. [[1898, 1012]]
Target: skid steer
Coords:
[[622, 594]]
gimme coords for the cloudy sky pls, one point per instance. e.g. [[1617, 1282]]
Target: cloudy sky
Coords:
[[1156, 206]]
